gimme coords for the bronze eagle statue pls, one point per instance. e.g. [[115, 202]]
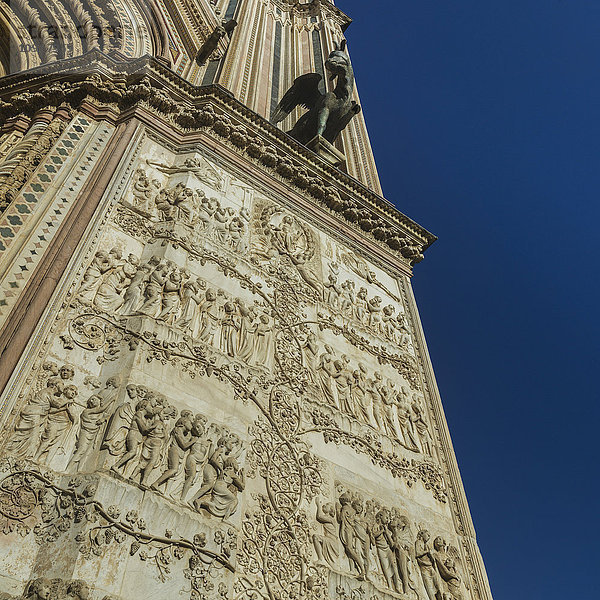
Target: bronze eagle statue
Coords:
[[329, 112]]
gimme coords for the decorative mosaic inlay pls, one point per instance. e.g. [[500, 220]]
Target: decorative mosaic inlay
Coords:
[[30, 198]]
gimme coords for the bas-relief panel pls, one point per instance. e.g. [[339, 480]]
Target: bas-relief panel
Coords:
[[222, 393]]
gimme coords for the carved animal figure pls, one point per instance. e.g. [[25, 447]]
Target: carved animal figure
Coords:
[[329, 112]]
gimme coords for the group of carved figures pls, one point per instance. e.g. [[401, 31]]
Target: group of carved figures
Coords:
[[55, 589], [163, 291], [373, 401], [378, 543], [152, 443], [193, 208], [369, 312]]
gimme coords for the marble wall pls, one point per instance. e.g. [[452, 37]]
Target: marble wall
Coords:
[[228, 402]]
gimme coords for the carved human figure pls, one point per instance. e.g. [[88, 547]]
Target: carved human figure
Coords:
[[343, 383], [363, 536], [108, 296], [190, 300], [382, 542], [196, 459], [388, 398], [154, 289], [39, 589], [165, 205], [388, 322], [59, 420], [445, 564], [212, 469], [373, 389], [310, 348], [300, 261], [407, 433], [326, 545], [246, 333], [429, 574], [118, 425], [90, 420], [326, 372], [400, 537], [141, 424], [361, 311], [421, 427], [31, 422], [263, 342], [229, 329], [144, 191], [152, 444], [181, 440], [171, 299], [347, 298], [206, 213], [209, 316], [78, 590], [184, 201], [222, 501], [237, 234], [92, 277], [64, 376], [332, 291], [374, 308], [362, 400], [222, 219], [346, 516], [134, 294]]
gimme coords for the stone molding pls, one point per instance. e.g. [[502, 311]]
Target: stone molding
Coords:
[[122, 88]]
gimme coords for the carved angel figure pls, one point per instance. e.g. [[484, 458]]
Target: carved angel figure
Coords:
[[329, 112]]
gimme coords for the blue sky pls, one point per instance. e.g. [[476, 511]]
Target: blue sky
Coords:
[[484, 120]]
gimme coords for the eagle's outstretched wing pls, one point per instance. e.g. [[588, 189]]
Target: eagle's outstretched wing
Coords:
[[304, 92]]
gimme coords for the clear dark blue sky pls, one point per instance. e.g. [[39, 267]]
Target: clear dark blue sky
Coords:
[[484, 120]]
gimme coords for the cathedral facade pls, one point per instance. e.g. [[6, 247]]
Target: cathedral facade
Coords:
[[214, 381]]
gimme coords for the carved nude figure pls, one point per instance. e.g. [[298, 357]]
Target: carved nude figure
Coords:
[[197, 456], [212, 469], [181, 440]]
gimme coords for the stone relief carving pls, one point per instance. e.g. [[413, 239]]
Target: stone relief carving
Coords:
[[43, 588], [379, 544], [258, 333]]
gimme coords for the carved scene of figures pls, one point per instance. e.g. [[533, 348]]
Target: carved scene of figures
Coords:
[[354, 305], [153, 444], [43, 588], [368, 398], [190, 206], [172, 452], [161, 290], [378, 544]]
